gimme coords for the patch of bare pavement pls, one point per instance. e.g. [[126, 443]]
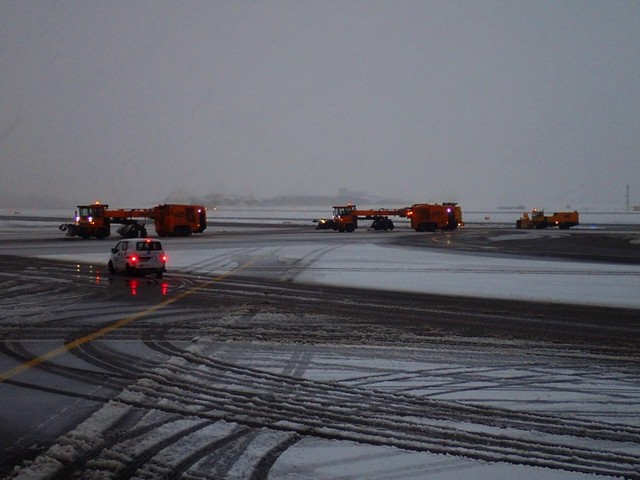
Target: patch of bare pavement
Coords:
[[612, 245]]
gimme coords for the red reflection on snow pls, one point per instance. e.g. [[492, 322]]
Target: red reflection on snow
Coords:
[[133, 286]]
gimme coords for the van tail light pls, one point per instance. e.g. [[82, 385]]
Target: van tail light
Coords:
[[164, 258], [134, 259]]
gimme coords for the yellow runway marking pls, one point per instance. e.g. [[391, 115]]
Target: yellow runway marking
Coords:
[[67, 347]]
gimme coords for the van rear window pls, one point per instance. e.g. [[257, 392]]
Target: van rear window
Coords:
[[148, 246]]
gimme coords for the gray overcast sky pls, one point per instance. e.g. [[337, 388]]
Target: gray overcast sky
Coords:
[[483, 102]]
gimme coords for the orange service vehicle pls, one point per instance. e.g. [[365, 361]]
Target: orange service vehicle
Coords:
[[345, 218], [169, 220], [538, 219], [424, 217], [429, 217]]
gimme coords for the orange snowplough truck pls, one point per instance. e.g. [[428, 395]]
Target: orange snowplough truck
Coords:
[[169, 220], [424, 217], [538, 219]]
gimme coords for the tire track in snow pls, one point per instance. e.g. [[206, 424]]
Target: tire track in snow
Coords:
[[292, 407], [216, 263], [368, 416], [298, 363], [305, 263]]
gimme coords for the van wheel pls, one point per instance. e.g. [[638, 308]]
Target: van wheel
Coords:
[[111, 267], [129, 270], [159, 275]]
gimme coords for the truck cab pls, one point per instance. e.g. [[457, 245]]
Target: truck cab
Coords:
[[90, 221], [345, 218]]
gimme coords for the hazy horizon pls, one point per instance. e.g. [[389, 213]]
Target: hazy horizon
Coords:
[[484, 103]]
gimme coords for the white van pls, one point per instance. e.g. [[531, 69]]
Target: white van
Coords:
[[141, 255]]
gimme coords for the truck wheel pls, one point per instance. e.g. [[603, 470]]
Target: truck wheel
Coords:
[[350, 228], [102, 234]]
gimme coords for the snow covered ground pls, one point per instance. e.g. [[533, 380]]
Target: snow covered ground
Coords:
[[415, 270], [408, 270], [530, 378]]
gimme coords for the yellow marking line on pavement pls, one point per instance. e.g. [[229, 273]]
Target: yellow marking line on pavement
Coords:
[[67, 347]]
